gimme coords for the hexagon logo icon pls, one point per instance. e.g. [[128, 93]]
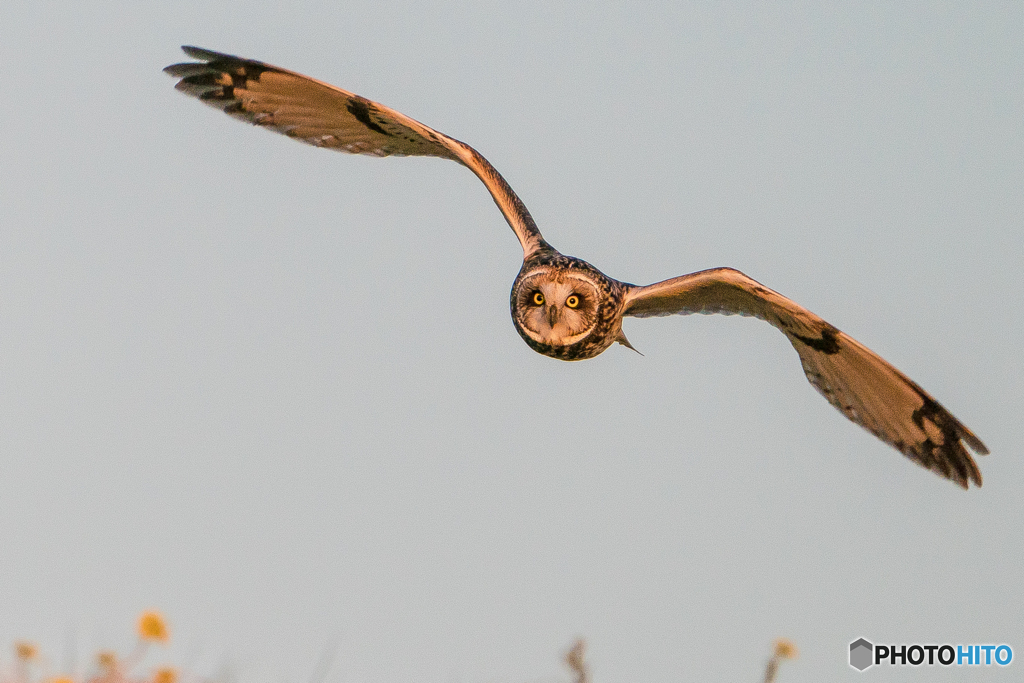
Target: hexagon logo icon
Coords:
[[861, 652]]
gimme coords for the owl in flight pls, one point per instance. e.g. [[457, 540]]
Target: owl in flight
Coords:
[[564, 307]]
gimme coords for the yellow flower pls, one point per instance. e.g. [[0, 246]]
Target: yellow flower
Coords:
[[785, 649], [165, 675], [26, 651], [107, 660], [153, 627]]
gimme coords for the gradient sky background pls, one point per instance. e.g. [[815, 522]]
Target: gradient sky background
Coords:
[[275, 392]]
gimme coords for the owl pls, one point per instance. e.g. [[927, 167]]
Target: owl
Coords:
[[565, 308]]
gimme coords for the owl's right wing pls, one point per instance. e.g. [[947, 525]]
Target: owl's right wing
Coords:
[[852, 377], [325, 116]]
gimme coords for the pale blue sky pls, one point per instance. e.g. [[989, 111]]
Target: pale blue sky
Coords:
[[275, 392]]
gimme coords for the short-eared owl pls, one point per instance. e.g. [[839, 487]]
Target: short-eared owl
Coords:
[[564, 307]]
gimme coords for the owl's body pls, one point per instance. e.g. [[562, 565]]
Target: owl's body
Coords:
[[565, 308]]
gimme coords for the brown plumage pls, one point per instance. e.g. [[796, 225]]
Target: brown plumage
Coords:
[[565, 308]]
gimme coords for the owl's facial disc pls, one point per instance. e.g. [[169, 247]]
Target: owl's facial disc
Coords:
[[557, 308]]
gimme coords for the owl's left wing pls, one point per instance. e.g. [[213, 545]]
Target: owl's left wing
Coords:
[[322, 115], [853, 378]]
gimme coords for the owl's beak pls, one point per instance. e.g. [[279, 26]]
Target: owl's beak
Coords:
[[552, 315]]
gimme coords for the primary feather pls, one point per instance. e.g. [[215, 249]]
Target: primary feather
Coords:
[[852, 377], [562, 306], [322, 115]]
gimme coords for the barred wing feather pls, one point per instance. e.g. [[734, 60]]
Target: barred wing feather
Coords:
[[322, 115], [854, 379]]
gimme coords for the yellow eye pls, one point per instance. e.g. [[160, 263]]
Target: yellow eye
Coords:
[[538, 298], [573, 301]]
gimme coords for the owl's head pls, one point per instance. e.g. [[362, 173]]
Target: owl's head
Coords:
[[558, 310]]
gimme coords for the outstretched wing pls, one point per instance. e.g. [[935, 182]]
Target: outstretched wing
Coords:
[[852, 377], [320, 114]]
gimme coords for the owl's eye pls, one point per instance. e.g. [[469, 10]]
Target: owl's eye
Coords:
[[538, 299], [573, 301]]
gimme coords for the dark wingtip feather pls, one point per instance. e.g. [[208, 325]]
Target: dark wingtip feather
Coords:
[[185, 69], [204, 54], [196, 89], [974, 442], [952, 461]]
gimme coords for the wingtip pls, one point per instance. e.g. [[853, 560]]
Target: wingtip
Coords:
[[204, 54], [970, 474], [974, 442]]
